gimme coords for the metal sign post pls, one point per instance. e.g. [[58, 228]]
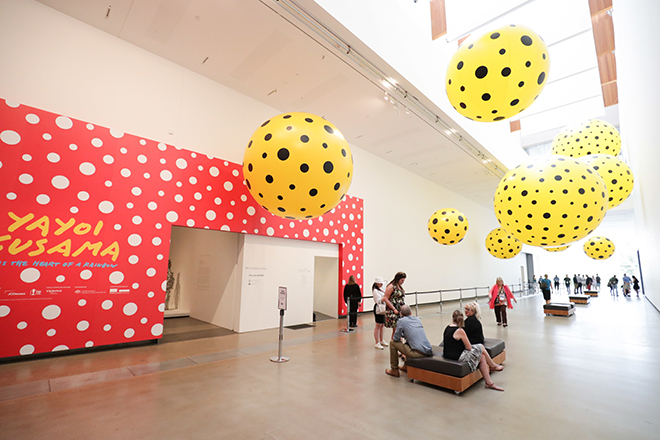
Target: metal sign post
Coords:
[[281, 304]]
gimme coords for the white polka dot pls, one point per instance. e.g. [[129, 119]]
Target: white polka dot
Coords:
[[51, 312], [108, 159], [82, 326], [130, 309], [87, 168], [63, 122], [235, 173], [151, 294], [359, 241], [135, 286], [82, 302], [210, 215], [60, 348], [26, 157], [125, 172], [117, 227], [193, 180], [89, 344], [326, 232], [25, 179], [73, 210], [10, 137], [193, 155], [73, 147], [172, 216], [166, 175], [136, 191], [158, 226], [178, 198], [29, 349], [146, 175], [51, 332], [137, 220], [143, 142], [30, 275], [350, 257], [251, 211], [152, 206], [161, 307], [151, 272], [270, 231], [60, 182], [133, 259], [225, 228], [4, 311], [228, 186], [60, 278], [198, 196], [129, 205], [107, 327], [230, 215], [159, 257], [116, 277], [142, 158], [156, 241], [214, 171], [106, 207], [134, 239], [157, 329], [86, 274], [306, 233], [190, 223], [217, 200], [162, 146], [116, 133], [129, 333], [181, 164], [108, 183], [345, 227], [144, 321], [97, 142], [53, 157], [179, 184], [262, 220], [43, 199], [106, 305], [21, 325], [32, 118]]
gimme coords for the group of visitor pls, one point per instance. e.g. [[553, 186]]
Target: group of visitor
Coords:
[[628, 283]]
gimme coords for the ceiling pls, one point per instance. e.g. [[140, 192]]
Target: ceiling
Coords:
[[256, 48]]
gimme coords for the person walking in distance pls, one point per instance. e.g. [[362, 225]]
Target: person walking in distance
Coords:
[[500, 298]]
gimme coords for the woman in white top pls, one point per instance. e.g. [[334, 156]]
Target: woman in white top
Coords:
[[378, 294]]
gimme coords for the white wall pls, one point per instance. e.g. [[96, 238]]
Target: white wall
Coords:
[[326, 280], [269, 263], [207, 263], [637, 36], [54, 62]]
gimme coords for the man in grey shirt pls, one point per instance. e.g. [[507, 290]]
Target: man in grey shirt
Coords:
[[416, 345]]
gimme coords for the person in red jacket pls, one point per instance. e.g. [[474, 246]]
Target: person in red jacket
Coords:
[[500, 298]]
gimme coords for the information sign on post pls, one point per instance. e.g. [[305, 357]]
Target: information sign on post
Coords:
[[281, 304]]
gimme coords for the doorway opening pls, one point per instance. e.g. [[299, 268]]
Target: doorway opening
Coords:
[[326, 282]]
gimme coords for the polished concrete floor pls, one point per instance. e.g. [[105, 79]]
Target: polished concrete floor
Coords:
[[591, 376]]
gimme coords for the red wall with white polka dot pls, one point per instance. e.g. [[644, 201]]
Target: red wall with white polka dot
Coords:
[[85, 220]]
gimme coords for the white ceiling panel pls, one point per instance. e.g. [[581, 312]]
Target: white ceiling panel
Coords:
[[560, 117]]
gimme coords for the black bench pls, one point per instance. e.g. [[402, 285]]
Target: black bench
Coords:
[[559, 309], [579, 299], [447, 373], [591, 292]]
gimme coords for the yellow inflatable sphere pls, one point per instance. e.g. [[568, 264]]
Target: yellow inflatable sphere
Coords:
[[448, 226], [557, 248], [589, 137], [498, 74], [599, 248], [298, 165], [616, 174], [550, 201], [500, 244]]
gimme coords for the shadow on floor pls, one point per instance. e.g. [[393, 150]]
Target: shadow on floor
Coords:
[[186, 329]]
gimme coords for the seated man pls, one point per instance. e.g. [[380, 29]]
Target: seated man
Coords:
[[416, 345]]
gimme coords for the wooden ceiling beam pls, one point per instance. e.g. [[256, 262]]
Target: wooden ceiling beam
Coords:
[[438, 19]]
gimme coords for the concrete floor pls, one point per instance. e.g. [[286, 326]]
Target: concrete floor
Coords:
[[590, 376]]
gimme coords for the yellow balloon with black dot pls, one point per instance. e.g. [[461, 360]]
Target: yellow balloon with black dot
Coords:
[[556, 248], [500, 244], [298, 165], [448, 226], [616, 174], [599, 248], [499, 74], [550, 201], [589, 137]]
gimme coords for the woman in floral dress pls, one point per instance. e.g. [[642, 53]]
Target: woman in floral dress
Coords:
[[394, 298]]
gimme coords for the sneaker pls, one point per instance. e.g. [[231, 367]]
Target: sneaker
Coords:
[[378, 346], [383, 343]]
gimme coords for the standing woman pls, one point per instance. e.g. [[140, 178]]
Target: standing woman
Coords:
[[394, 298], [352, 297], [500, 298], [378, 294], [636, 284]]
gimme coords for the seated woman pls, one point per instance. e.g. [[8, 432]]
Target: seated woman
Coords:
[[457, 347], [472, 325]]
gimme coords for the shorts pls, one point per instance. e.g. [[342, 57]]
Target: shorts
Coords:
[[380, 319], [546, 294]]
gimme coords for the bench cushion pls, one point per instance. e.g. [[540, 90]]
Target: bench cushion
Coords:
[[558, 306], [582, 297], [438, 364]]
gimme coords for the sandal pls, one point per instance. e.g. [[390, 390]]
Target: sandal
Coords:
[[497, 368], [492, 386]]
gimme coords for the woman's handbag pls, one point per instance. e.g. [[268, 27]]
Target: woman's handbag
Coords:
[[380, 308]]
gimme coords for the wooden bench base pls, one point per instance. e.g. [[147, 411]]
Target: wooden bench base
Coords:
[[567, 311], [579, 300], [591, 292], [458, 384]]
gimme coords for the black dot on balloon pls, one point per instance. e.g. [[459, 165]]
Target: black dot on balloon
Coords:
[[481, 72], [250, 144], [280, 198], [313, 192], [304, 168], [529, 216], [322, 206], [250, 167], [528, 227], [304, 138], [557, 177], [509, 212], [521, 83], [281, 209], [286, 116], [506, 72], [470, 46], [494, 111], [462, 104], [499, 118], [527, 41], [265, 123], [528, 63], [283, 154], [328, 129], [337, 185], [269, 178], [343, 152], [546, 215], [268, 136], [494, 35], [261, 195], [460, 218], [328, 167], [533, 202], [502, 51], [485, 96], [541, 78], [460, 65], [310, 120], [247, 182], [264, 155], [581, 190], [292, 186], [614, 181], [447, 231], [462, 88], [289, 128], [303, 209], [524, 193], [590, 218], [585, 206], [514, 102], [449, 82]]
